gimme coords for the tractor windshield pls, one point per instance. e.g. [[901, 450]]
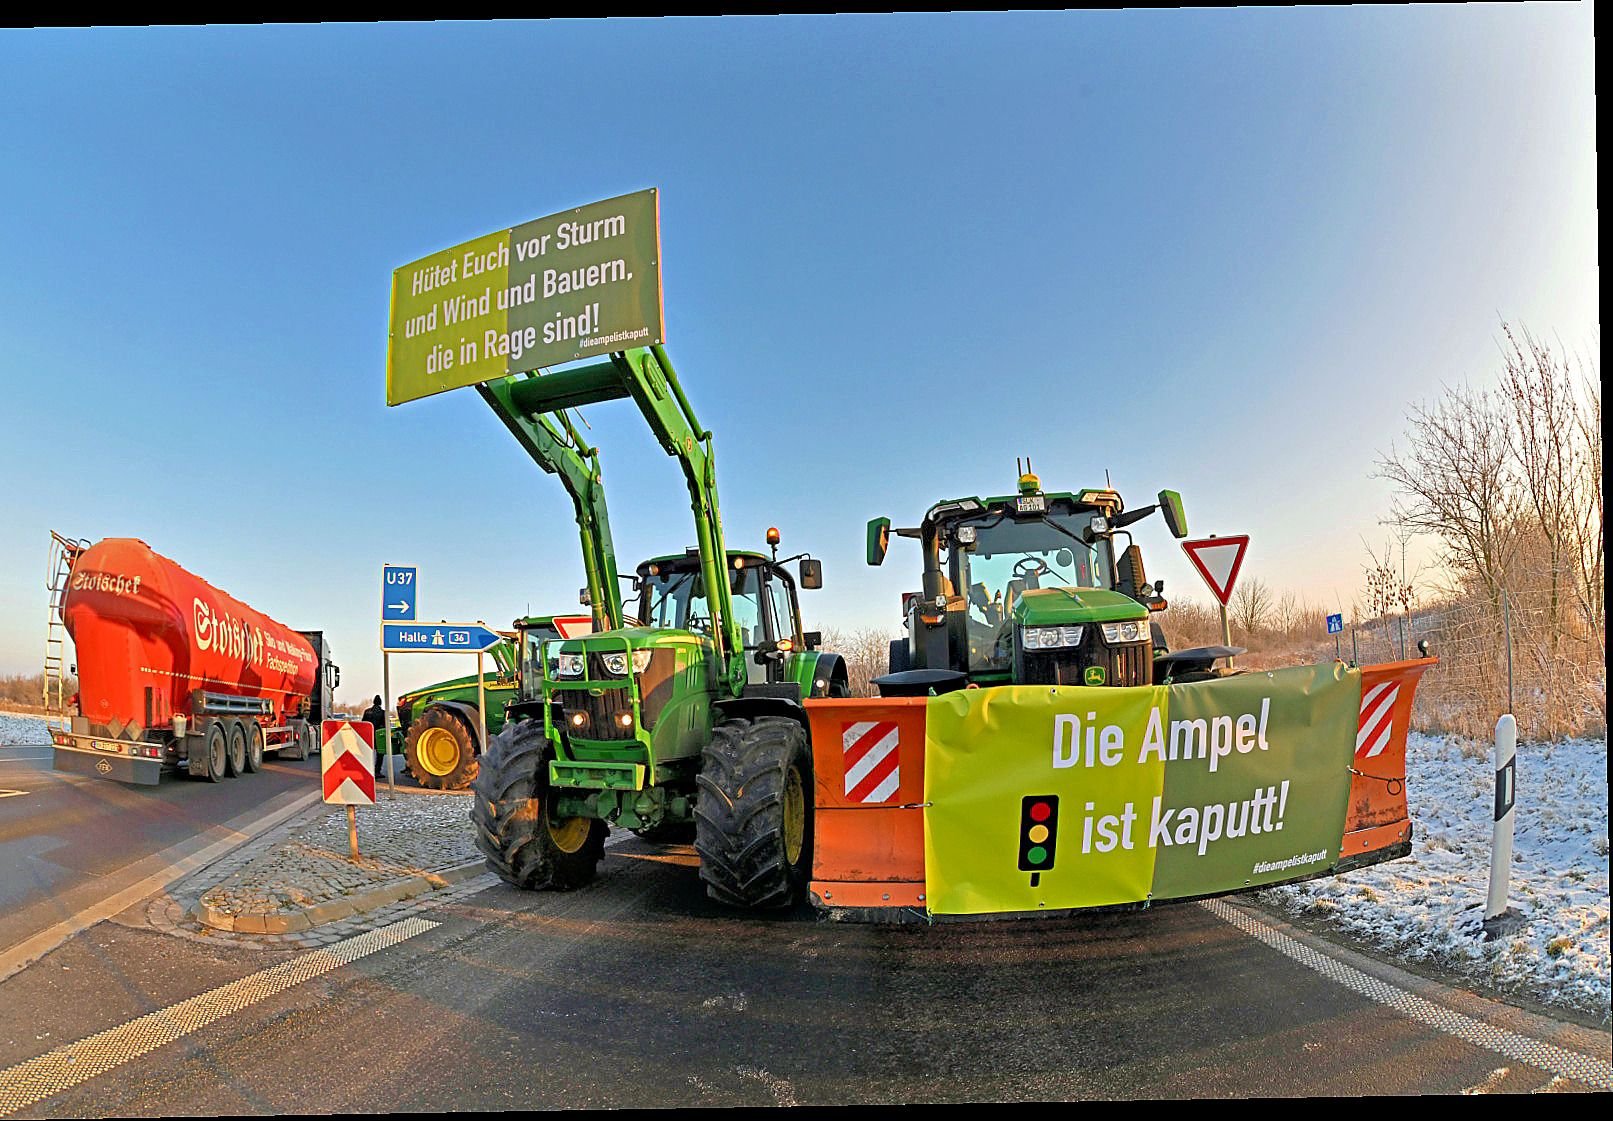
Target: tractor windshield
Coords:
[[676, 599], [1010, 557]]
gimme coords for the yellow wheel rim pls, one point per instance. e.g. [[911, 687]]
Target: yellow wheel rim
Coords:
[[571, 834], [794, 816], [438, 751]]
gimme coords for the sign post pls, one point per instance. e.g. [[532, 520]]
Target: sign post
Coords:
[[347, 769], [400, 588], [1218, 560], [1335, 627]]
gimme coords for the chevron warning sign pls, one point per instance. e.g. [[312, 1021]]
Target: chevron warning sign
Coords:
[[872, 770], [347, 762], [1377, 719]]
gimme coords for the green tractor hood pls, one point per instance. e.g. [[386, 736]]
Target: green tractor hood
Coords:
[[1052, 607]]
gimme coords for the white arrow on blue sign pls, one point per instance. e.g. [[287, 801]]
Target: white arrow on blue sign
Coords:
[[1335, 624], [436, 638], [398, 589]]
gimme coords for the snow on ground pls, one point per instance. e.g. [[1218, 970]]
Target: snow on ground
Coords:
[[1427, 907], [16, 728]]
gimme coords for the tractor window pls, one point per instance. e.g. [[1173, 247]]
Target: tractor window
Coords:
[[778, 594], [677, 600], [1012, 557], [745, 584]]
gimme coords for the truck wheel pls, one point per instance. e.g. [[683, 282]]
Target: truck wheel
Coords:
[[510, 810], [441, 751], [217, 746], [254, 747], [753, 814], [236, 764]]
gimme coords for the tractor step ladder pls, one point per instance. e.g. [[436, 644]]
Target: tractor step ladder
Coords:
[[63, 552]]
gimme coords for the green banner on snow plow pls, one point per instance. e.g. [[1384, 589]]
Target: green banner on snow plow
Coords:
[[583, 282], [1042, 798]]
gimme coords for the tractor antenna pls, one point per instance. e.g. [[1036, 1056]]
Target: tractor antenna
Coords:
[[1107, 485]]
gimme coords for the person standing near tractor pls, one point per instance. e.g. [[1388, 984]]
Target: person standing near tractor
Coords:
[[375, 715]]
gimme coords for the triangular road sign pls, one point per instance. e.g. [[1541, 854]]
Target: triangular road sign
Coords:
[[1218, 560]]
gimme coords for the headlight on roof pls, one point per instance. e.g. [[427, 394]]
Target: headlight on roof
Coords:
[[1132, 630]]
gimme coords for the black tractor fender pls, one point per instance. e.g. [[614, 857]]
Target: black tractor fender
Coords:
[[831, 670], [772, 699]]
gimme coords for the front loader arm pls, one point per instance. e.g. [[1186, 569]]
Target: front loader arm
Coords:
[[554, 445]]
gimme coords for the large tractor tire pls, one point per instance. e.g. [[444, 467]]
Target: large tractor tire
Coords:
[[753, 814], [510, 810], [440, 750], [900, 657]]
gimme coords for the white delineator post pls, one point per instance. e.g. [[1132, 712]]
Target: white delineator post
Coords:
[[1506, 789]]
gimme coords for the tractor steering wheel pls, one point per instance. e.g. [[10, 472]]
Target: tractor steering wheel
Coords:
[[1026, 567]]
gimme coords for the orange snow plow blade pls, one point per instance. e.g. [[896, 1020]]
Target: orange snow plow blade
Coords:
[[869, 758]]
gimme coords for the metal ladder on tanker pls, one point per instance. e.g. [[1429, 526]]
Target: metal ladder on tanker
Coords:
[[63, 552]]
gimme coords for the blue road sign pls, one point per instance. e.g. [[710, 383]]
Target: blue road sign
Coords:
[[436, 638], [1335, 624], [398, 593]]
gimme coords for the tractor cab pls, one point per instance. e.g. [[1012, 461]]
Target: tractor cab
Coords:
[[672, 596], [1030, 588]]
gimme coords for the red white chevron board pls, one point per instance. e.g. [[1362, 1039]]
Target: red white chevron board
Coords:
[[1376, 726], [873, 772], [347, 762]]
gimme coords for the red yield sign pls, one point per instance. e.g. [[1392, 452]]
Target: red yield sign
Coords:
[[347, 762], [1218, 560]]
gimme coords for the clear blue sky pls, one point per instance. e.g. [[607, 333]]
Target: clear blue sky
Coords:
[[1219, 251]]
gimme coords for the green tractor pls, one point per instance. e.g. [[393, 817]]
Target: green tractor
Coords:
[[1030, 589], [683, 717], [438, 730]]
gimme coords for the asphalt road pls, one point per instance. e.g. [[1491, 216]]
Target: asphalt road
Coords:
[[68, 841], [638, 992]]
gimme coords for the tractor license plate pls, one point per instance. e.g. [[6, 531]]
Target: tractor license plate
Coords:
[[1031, 504]]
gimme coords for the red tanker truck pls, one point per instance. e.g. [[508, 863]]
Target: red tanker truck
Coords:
[[176, 675]]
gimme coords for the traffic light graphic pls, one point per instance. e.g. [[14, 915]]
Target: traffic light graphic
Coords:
[[1038, 833]]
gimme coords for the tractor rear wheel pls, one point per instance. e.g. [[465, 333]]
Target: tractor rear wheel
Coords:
[[441, 750], [900, 657], [753, 814], [524, 844]]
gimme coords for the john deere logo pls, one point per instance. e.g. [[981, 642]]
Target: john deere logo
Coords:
[[1094, 675]]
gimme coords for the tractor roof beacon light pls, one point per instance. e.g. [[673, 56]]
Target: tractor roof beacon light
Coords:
[[773, 540], [1028, 482]]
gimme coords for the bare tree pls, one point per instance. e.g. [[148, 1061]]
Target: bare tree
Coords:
[[866, 652], [1251, 604]]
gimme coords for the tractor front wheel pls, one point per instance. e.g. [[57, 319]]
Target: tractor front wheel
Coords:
[[441, 750], [753, 814], [515, 830]]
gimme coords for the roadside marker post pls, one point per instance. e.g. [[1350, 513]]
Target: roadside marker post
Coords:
[[1499, 919], [347, 769], [1335, 627], [1218, 560]]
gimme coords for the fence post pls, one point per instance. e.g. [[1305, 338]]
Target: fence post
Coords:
[[1499, 919]]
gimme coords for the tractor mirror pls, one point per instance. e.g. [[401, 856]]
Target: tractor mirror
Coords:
[[1170, 504], [812, 639], [584, 598], [811, 573], [879, 539]]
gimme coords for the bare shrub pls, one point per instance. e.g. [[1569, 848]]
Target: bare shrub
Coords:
[[866, 652]]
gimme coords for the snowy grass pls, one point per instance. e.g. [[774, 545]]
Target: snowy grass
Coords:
[[17, 729], [1427, 907]]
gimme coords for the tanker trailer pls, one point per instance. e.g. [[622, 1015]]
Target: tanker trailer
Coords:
[[177, 676]]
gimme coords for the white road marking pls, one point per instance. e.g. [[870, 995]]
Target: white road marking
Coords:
[[13, 793], [1494, 1079], [1536, 1053], [171, 866], [65, 1067]]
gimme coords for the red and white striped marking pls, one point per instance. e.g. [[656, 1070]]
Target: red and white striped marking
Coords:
[[872, 771], [1377, 719]]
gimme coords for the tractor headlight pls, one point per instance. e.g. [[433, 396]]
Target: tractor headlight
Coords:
[[1133, 630], [569, 665], [1051, 638], [616, 664]]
